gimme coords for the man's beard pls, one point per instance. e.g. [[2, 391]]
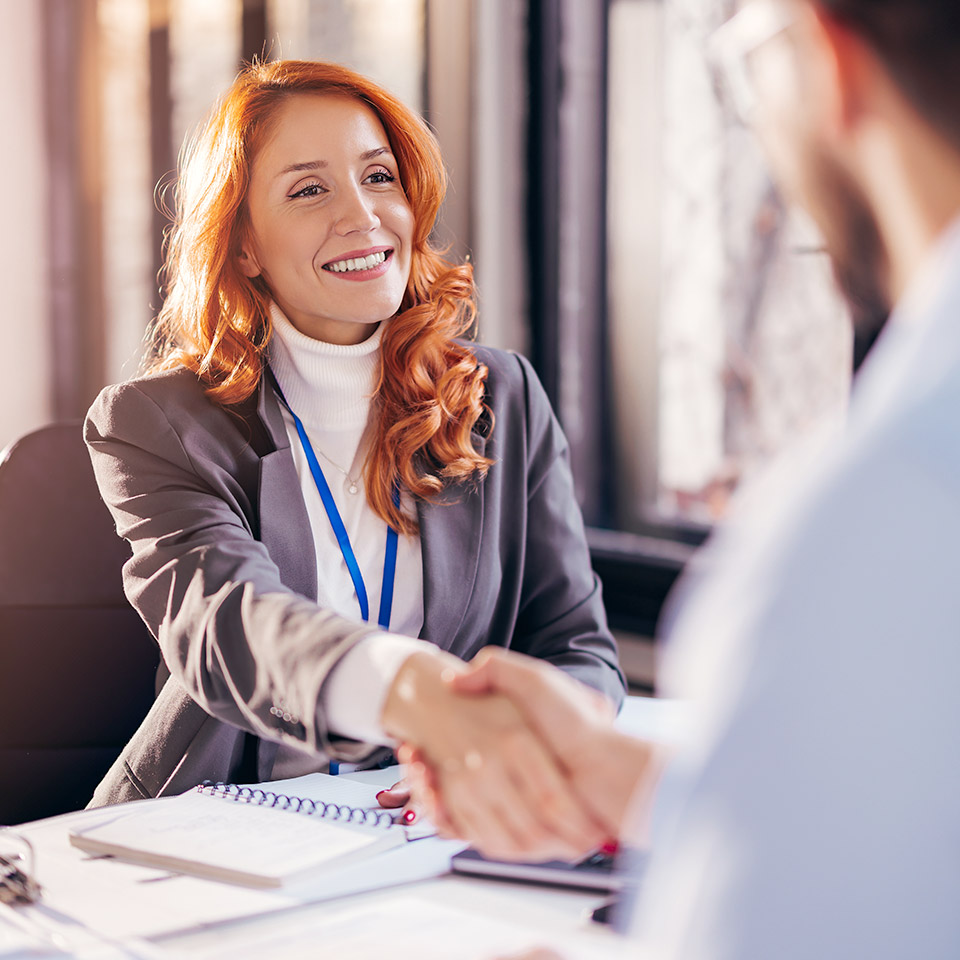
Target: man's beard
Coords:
[[856, 249]]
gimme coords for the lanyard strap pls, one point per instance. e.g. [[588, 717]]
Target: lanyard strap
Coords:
[[340, 531]]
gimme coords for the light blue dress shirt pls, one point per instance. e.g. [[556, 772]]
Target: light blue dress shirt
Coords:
[[820, 649]]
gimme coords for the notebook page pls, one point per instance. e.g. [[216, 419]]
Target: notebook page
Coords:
[[232, 836], [323, 787], [122, 899]]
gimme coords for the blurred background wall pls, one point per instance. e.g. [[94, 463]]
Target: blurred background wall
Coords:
[[25, 394]]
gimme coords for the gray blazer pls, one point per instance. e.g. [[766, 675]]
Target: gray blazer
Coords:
[[223, 571]]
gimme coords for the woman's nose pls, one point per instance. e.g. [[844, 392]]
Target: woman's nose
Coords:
[[356, 213]]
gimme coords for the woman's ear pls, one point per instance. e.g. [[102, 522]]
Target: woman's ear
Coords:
[[248, 263]]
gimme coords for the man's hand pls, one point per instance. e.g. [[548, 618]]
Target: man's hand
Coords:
[[501, 787], [574, 721]]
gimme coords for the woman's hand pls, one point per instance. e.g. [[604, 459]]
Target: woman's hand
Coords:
[[575, 722], [399, 796], [501, 787]]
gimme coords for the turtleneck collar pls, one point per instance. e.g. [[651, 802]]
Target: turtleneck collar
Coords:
[[329, 385]]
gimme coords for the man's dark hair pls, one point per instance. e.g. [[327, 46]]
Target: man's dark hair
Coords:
[[919, 40]]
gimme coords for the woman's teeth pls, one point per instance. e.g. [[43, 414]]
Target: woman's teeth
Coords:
[[357, 263]]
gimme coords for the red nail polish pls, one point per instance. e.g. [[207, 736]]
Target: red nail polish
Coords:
[[409, 816], [610, 847], [380, 794]]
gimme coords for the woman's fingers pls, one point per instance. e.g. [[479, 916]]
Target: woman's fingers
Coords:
[[476, 820], [499, 825], [396, 796], [424, 789], [399, 796]]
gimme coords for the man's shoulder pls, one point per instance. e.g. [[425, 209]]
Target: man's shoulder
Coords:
[[911, 432]]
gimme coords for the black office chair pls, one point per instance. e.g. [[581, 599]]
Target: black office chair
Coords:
[[77, 665]]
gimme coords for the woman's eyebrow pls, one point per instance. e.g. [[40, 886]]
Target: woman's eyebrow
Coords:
[[375, 152], [319, 164]]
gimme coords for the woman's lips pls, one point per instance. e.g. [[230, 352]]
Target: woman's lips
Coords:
[[362, 265]]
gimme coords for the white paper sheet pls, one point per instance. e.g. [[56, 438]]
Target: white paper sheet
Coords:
[[208, 835], [415, 928]]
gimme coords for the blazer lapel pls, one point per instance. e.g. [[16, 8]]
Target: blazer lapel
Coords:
[[450, 532], [284, 524]]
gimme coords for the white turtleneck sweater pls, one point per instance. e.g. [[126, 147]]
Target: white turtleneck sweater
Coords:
[[329, 386]]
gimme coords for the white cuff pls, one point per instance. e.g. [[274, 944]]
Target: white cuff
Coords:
[[353, 695]]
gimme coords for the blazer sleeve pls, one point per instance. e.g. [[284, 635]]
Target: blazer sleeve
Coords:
[[561, 616], [246, 648]]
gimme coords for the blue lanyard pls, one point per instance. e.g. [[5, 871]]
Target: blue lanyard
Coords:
[[340, 531]]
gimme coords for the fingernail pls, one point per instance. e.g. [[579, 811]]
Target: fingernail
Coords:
[[610, 847], [409, 816], [380, 794]]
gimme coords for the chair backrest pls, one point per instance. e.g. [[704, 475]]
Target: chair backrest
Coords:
[[77, 665]]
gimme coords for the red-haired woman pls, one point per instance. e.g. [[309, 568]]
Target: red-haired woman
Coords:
[[315, 469]]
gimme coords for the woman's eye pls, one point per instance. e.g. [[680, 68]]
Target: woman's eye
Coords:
[[381, 176], [311, 190]]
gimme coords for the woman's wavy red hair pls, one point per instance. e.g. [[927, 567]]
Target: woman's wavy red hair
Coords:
[[215, 320]]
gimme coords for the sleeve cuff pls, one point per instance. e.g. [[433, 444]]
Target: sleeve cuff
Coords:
[[353, 695]]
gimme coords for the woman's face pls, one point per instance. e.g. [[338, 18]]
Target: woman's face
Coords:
[[331, 228]]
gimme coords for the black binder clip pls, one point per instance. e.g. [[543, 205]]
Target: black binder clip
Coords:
[[17, 883]]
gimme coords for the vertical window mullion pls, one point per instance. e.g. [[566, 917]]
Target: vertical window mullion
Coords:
[[566, 175]]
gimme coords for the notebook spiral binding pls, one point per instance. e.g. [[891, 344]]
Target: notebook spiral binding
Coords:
[[304, 805]]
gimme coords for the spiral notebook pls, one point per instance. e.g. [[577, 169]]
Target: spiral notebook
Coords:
[[257, 835]]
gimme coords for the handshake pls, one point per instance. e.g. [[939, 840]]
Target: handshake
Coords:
[[512, 755]]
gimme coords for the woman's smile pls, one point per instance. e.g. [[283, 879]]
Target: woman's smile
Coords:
[[361, 264]]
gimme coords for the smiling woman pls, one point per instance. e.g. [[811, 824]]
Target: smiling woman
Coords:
[[311, 347], [217, 314]]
